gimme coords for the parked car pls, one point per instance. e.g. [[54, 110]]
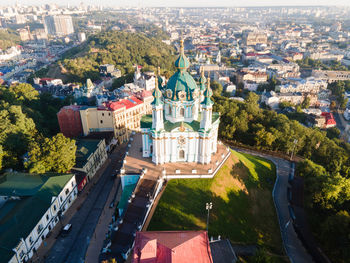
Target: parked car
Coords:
[[65, 231]]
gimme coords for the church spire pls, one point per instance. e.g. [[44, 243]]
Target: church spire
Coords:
[[202, 80], [159, 78], [182, 63], [207, 95], [157, 94]]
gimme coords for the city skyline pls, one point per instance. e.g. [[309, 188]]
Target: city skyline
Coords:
[[184, 3]]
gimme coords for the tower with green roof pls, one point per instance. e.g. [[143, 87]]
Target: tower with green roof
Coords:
[[182, 127], [157, 108]]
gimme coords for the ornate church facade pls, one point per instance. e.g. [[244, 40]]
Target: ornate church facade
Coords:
[[183, 126]]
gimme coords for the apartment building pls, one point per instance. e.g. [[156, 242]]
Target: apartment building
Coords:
[[309, 85], [122, 117], [254, 38], [31, 205], [331, 75], [252, 76], [60, 25]]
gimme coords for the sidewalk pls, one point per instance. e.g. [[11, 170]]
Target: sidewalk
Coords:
[[50, 240], [96, 242]]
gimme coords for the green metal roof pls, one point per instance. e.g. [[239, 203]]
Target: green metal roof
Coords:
[[146, 121], [84, 149], [194, 125], [181, 81], [21, 184], [19, 217], [127, 191]]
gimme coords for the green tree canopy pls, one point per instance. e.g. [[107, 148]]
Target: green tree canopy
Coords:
[[52, 155]]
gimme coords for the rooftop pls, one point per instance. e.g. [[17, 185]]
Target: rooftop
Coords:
[[115, 105], [84, 149], [172, 246]]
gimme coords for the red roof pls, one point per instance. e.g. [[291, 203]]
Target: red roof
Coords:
[[329, 118], [172, 247], [115, 105]]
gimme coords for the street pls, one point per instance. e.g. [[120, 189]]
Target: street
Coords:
[[73, 247]]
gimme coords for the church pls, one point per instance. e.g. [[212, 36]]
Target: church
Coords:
[[183, 126]]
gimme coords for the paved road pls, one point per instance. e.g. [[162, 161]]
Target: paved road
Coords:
[[72, 248], [293, 246]]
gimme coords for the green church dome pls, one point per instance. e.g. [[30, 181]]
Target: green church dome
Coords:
[[181, 82], [181, 85]]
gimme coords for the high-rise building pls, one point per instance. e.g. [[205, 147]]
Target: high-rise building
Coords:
[[60, 25]]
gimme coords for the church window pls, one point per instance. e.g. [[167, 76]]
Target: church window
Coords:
[[170, 112], [181, 154], [182, 112]]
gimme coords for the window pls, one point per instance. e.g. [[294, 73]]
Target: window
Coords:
[[47, 217], [182, 112], [31, 240], [72, 184], [109, 114], [101, 121], [54, 207], [181, 154], [67, 191], [170, 113], [61, 199], [40, 227], [103, 114], [21, 254]]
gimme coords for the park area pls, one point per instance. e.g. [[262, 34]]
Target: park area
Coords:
[[243, 209]]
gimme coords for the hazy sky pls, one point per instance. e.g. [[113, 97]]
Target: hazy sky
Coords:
[[184, 3]]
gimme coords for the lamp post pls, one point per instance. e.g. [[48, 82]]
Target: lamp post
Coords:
[[208, 207]]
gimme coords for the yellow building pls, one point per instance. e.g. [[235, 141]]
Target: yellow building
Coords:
[[120, 117]]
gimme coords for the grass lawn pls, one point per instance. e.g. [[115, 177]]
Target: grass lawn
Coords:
[[243, 210]]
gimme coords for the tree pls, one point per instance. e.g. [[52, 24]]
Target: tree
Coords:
[[333, 105], [306, 103], [1, 156], [216, 87], [52, 155], [285, 104], [333, 132]]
